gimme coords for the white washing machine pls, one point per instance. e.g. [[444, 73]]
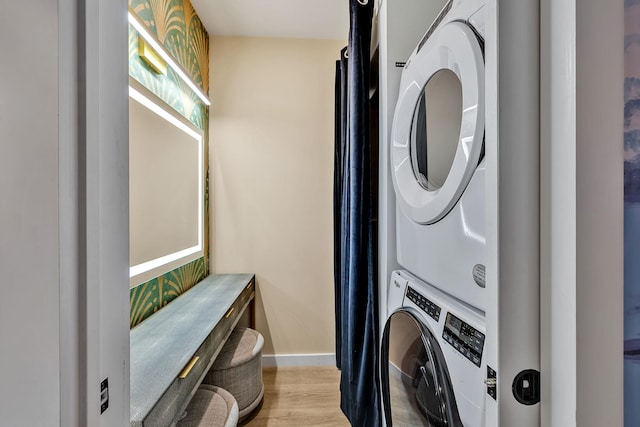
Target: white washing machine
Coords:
[[437, 152], [432, 360]]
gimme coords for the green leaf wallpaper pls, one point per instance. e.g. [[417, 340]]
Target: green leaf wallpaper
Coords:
[[178, 27], [151, 296]]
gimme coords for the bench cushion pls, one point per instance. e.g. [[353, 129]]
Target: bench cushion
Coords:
[[211, 407]]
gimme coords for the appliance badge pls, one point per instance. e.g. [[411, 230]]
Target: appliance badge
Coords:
[[479, 275]]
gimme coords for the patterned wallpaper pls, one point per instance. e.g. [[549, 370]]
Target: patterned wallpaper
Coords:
[[178, 27], [149, 297]]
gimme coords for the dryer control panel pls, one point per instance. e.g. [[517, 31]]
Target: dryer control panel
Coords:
[[463, 337], [425, 305]]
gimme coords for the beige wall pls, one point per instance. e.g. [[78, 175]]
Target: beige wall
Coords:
[[272, 179]]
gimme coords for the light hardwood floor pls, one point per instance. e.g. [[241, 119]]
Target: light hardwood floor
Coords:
[[300, 397]]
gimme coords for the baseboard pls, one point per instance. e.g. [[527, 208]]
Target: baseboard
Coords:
[[313, 359]]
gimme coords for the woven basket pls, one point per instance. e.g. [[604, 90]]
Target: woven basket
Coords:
[[238, 369], [211, 407]]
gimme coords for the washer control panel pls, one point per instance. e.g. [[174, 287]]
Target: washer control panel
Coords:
[[425, 305], [467, 340]]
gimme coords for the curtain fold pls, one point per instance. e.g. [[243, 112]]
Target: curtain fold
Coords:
[[340, 134], [355, 227]]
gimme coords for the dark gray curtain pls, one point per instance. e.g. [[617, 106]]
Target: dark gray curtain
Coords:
[[355, 222]]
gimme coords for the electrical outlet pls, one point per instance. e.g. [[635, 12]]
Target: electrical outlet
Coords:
[[104, 395]]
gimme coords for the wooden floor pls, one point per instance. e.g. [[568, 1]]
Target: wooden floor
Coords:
[[300, 397]]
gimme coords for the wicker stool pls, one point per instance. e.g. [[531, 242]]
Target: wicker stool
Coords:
[[238, 368], [210, 407]]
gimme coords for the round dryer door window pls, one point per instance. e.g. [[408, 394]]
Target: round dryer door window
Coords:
[[438, 128], [435, 129]]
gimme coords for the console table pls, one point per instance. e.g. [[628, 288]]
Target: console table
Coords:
[[173, 349]]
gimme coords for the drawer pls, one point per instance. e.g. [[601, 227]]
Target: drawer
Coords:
[[179, 393], [230, 319]]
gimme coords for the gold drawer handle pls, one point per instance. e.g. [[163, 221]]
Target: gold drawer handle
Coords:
[[249, 285], [188, 368], [226, 316]]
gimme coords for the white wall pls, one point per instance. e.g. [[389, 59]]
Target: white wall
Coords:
[[64, 213], [272, 130], [401, 25], [599, 211], [582, 197], [29, 307], [512, 160]]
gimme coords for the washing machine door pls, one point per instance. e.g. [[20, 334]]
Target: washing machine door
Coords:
[[416, 386], [438, 129]]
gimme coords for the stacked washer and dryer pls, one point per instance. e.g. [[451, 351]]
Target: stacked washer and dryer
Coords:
[[433, 367], [460, 227], [432, 359]]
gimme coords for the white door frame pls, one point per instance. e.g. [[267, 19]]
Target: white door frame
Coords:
[[94, 211], [582, 70]]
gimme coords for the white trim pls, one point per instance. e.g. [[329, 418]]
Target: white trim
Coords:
[[558, 214], [104, 211], [310, 359], [71, 353]]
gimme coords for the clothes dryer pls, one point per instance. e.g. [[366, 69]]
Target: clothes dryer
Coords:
[[432, 360], [437, 155]]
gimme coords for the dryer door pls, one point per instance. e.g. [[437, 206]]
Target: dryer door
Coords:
[[438, 128], [415, 382]]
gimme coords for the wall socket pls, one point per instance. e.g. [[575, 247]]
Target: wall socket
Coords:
[[104, 395]]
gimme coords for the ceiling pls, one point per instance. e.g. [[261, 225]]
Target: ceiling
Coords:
[[307, 19]]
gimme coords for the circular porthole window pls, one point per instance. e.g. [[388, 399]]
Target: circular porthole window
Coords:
[[438, 127], [435, 129]]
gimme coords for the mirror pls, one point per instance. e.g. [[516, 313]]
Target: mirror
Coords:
[[435, 129], [166, 187]]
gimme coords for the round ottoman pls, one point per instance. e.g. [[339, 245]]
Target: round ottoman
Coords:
[[211, 407], [238, 369]]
